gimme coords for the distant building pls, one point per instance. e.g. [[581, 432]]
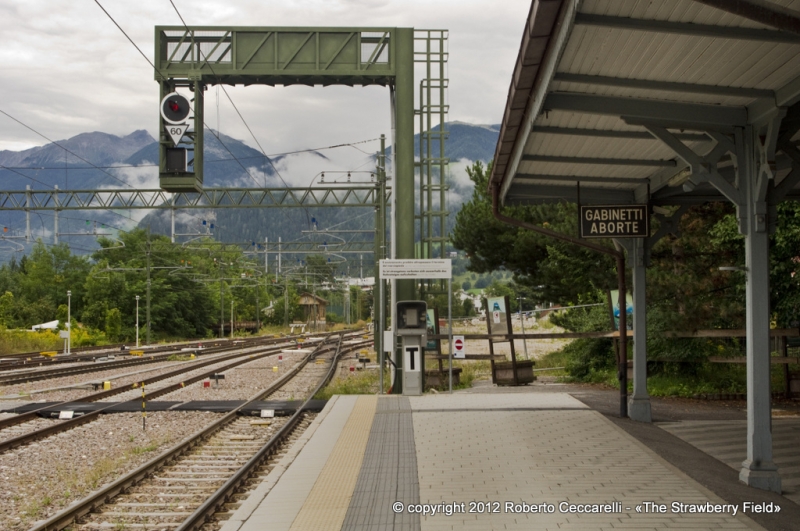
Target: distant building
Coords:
[[366, 282], [50, 325], [313, 307]]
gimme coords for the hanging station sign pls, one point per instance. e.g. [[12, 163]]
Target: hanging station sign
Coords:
[[615, 221]]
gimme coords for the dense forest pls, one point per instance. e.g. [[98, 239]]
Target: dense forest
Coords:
[[191, 287]]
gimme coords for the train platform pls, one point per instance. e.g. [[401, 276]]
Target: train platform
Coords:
[[489, 460]]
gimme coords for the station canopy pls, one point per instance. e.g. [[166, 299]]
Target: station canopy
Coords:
[[595, 78]]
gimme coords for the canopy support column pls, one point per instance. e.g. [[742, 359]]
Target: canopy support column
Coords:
[[639, 403], [758, 470]]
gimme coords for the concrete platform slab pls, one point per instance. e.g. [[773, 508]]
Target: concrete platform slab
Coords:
[[478, 461]]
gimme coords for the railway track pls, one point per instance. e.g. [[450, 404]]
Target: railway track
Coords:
[[21, 437], [152, 356], [11, 362], [187, 485]]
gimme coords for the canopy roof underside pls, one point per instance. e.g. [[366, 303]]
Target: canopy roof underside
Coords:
[[593, 78]]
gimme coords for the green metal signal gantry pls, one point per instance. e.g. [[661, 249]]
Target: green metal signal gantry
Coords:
[[188, 59]]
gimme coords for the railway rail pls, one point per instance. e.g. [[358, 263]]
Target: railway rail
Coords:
[[24, 438], [17, 361], [152, 356], [184, 487]]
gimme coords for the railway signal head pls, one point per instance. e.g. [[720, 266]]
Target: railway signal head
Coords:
[[175, 108]]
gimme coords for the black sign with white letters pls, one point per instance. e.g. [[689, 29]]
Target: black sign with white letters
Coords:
[[615, 221]]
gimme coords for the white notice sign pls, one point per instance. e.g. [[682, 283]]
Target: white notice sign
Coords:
[[388, 338], [267, 413], [459, 350], [176, 132], [400, 269]]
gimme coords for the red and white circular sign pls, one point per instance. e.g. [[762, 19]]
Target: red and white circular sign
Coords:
[[459, 350]]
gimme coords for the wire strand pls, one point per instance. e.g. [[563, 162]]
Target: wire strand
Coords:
[[224, 90], [65, 149], [162, 74]]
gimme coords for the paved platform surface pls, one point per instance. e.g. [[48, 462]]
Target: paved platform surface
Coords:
[[481, 461], [726, 440]]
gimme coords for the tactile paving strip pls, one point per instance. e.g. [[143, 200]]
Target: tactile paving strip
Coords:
[[388, 473], [327, 503]]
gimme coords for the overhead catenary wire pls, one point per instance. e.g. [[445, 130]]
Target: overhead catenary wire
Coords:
[[216, 134], [309, 150], [23, 124], [162, 74], [205, 58], [13, 170], [225, 91]]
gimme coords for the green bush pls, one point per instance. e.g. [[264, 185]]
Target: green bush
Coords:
[[587, 356], [586, 359]]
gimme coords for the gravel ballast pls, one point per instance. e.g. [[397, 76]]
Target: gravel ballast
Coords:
[[43, 477]]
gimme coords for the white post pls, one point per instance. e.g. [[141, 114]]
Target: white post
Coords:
[[172, 234], [380, 321], [279, 255], [449, 329], [266, 257], [69, 322], [137, 321], [393, 228], [522, 324], [55, 216]]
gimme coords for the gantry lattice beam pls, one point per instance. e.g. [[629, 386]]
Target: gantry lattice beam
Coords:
[[366, 196], [276, 56]]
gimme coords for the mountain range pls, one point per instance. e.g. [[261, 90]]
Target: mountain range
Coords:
[[100, 160]]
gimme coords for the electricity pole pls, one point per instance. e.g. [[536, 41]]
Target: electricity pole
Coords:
[[148, 286]]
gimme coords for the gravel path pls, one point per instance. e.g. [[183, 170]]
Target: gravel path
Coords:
[[135, 394], [122, 376], [240, 382], [46, 389], [44, 477], [537, 348]]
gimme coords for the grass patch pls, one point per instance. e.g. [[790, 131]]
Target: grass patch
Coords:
[[34, 509], [364, 382], [179, 357], [709, 378], [14, 341], [552, 360], [470, 372], [78, 482], [152, 447]]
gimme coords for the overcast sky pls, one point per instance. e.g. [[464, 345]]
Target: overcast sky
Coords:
[[66, 69]]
